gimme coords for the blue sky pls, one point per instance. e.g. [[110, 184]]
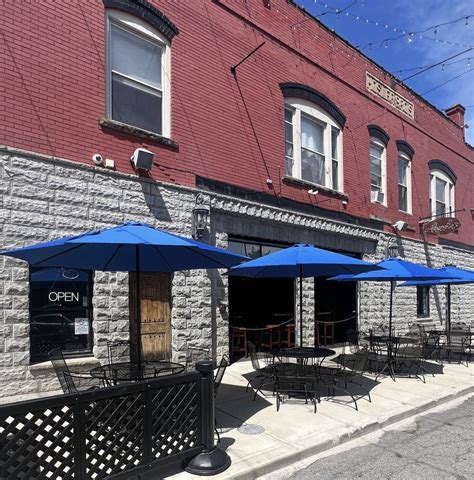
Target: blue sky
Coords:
[[367, 22]]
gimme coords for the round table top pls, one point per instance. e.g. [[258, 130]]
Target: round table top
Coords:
[[306, 352], [131, 371]]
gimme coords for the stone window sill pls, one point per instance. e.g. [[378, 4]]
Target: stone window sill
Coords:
[[86, 362], [304, 183], [109, 124]]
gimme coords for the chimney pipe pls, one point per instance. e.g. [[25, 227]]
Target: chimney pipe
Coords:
[[456, 114]]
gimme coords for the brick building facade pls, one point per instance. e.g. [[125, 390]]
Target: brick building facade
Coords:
[[306, 140]]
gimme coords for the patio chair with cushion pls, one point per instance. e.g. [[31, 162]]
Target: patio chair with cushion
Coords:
[[71, 382]]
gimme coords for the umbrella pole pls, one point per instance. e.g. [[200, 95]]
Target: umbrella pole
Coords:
[[138, 313], [301, 306], [391, 308], [448, 315]]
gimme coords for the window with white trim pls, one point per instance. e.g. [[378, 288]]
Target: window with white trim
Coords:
[[404, 182], [378, 168], [441, 194], [313, 145], [138, 87]]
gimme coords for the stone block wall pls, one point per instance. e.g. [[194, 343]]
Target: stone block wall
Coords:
[[41, 199]]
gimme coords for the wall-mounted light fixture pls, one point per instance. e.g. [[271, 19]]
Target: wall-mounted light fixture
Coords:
[[200, 216]]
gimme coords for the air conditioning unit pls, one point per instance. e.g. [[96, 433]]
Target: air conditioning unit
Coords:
[[142, 159], [376, 196]]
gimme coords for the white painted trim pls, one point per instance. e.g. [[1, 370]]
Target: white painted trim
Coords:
[[320, 116], [449, 192], [142, 29], [407, 158], [379, 144]]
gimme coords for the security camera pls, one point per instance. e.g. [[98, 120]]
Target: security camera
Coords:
[[400, 225], [97, 159]]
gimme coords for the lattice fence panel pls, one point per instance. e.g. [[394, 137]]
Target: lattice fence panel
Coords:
[[176, 419], [114, 435], [37, 445]]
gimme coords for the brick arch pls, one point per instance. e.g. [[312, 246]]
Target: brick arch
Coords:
[[298, 90], [379, 133], [148, 13], [405, 147], [444, 167]]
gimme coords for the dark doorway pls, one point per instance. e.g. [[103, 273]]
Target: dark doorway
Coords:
[[261, 311], [334, 302]]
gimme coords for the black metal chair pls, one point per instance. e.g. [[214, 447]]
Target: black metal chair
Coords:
[[345, 372], [117, 349], [457, 342], [353, 340], [71, 382], [294, 386], [195, 354], [224, 363], [265, 373], [411, 356]]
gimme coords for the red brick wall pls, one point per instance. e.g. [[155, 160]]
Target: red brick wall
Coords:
[[52, 77]]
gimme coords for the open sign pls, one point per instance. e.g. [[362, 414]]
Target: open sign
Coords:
[[63, 297]]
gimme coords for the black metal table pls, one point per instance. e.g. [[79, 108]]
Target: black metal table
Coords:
[[112, 373], [303, 354]]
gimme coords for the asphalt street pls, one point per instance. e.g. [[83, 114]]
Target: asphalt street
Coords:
[[439, 446]]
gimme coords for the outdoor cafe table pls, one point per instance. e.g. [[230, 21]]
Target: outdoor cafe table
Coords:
[[132, 372], [391, 342], [303, 354]]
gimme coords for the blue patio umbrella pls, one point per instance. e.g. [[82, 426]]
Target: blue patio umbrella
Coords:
[[131, 247], [395, 269], [464, 277], [301, 261]]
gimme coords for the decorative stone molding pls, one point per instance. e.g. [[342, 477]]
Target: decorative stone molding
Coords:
[[379, 133], [444, 167]]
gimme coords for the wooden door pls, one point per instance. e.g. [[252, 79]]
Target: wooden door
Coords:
[[155, 293]]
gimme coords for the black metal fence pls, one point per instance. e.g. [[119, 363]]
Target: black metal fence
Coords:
[[115, 432]]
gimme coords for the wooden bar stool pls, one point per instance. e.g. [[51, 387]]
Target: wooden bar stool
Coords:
[[271, 337], [287, 335], [238, 340], [327, 334]]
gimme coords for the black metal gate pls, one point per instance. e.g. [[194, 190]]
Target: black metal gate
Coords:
[[110, 432]]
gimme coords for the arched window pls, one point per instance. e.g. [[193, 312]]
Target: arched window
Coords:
[[405, 156], [313, 144], [442, 182], [378, 164], [138, 66]]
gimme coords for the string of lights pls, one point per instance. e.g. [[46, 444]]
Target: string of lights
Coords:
[[403, 32], [448, 81], [443, 65]]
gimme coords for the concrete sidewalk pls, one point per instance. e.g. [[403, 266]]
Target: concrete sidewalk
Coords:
[[260, 440]]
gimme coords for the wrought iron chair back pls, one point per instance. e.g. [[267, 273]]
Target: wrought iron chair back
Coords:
[[254, 357], [220, 373], [361, 359], [195, 354], [61, 369], [116, 350], [353, 340]]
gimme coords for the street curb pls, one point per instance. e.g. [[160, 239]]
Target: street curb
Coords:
[[266, 468]]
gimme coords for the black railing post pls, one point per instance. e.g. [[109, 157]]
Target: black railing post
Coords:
[[212, 460]]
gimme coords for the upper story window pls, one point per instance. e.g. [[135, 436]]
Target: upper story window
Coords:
[[405, 156], [138, 76], [442, 182], [404, 182], [378, 165], [313, 145], [313, 137]]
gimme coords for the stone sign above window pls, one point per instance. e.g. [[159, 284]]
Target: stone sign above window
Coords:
[[375, 86]]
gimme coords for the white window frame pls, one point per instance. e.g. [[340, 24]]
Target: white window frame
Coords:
[[138, 27], [403, 156], [299, 107], [449, 193], [383, 188]]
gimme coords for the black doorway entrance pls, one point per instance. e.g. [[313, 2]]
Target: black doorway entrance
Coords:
[[334, 302], [261, 311]]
